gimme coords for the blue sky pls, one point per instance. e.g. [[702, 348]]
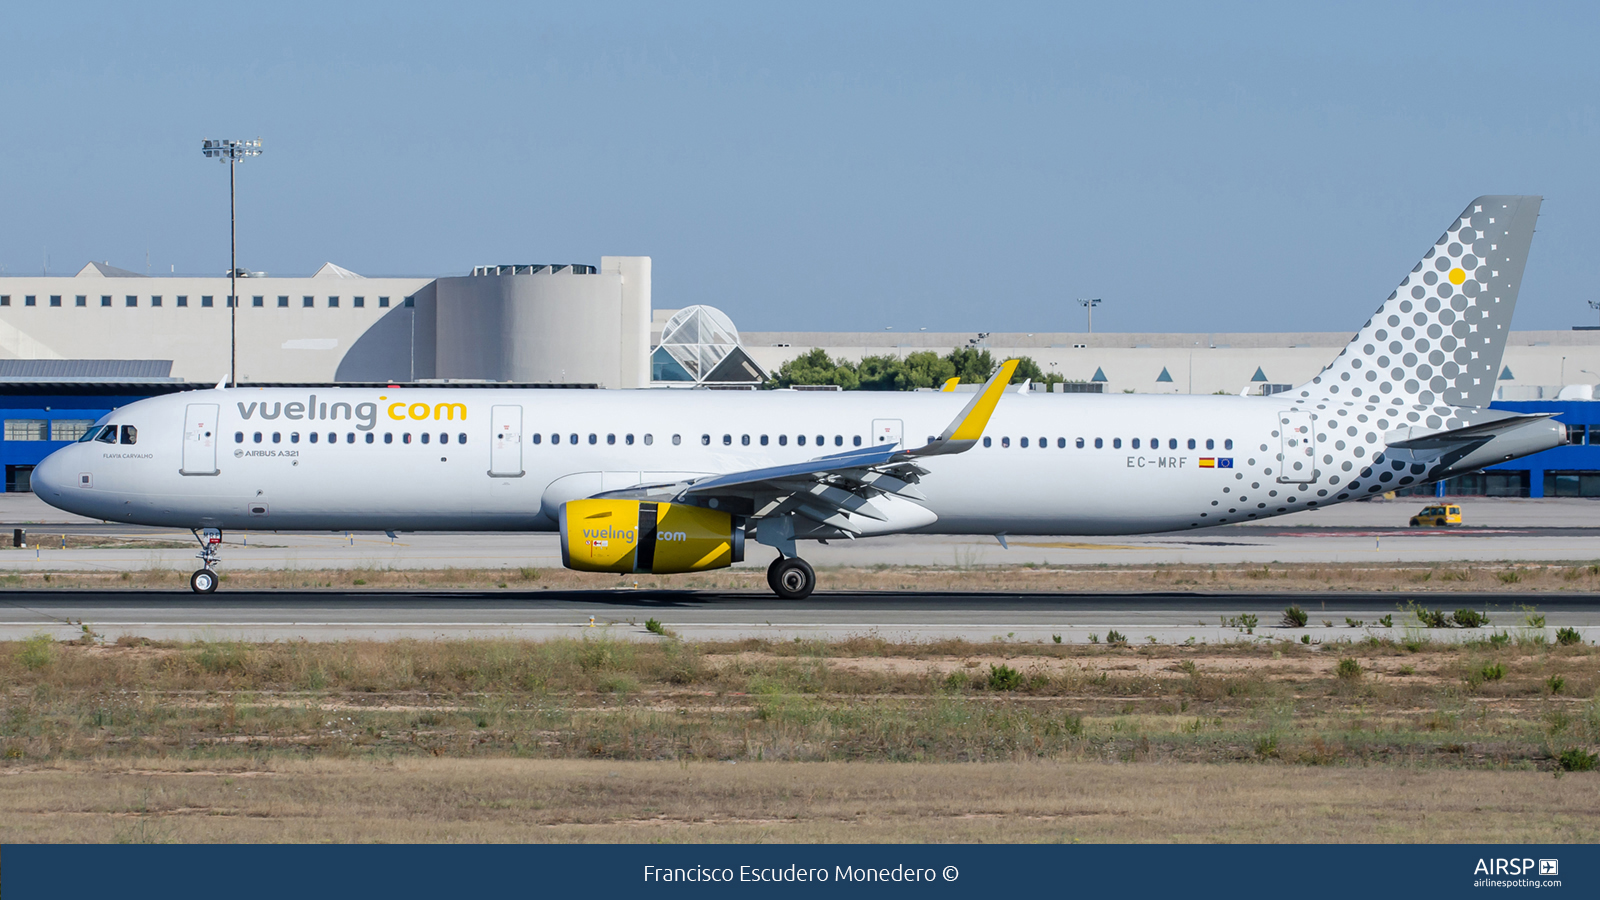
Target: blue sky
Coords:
[[851, 166]]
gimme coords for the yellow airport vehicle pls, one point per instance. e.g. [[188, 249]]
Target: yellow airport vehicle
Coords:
[[1437, 517]]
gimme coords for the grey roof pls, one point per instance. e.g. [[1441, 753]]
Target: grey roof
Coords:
[[107, 270], [86, 370]]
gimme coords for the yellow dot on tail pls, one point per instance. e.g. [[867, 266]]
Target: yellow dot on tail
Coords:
[[1457, 276]]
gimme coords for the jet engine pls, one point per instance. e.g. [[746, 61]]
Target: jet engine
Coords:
[[600, 535]]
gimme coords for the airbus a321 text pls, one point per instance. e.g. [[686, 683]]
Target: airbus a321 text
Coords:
[[668, 481]]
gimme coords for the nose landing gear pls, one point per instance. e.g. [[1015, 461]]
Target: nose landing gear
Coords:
[[205, 579], [791, 578]]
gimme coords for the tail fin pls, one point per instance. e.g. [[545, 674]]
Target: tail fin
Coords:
[[1439, 338]]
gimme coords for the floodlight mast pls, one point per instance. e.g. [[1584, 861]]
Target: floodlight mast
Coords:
[[1088, 309], [231, 152]]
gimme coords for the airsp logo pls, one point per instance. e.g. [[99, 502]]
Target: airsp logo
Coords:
[[1549, 867], [237, 454]]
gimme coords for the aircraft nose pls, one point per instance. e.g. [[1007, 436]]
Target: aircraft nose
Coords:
[[50, 477]]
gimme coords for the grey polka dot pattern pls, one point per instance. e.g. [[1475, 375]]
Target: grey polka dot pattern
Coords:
[[1426, 361], [1439, 337]]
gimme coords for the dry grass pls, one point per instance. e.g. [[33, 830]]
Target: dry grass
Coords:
[[1465, 577], [859, 740], [432, 800]]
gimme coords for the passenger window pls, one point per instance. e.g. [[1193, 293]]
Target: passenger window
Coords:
[[350, 437], [727, 440], [988, 441], [1172, 444], [649, 439], [424, 437], [537, 437], [257, 437], [1043, 443], [838, 440], [238, 437], [1099, 443], [404, 438], [783, 440], [294, 437], [370, 437], [628, 439], [593, 439], [856, 440], [572, 439], [705, 440], [800, 440], [333, 437], [611, 439], [1191, 443], [1116, 443], [1135, 443], [744, 440], [1061, 443], [763, 440], [1005, 442], [1022, 443], [312, 436], [822, 440], [1080, 443], [1211, 444], [461, 438], [277, 437], [444, 437], [388, 437], [1227, 444]]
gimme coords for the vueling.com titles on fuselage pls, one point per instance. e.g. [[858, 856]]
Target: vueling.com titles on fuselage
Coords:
[[365, 413]]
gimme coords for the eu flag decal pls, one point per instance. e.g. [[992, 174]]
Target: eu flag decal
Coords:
[[1224, 462]]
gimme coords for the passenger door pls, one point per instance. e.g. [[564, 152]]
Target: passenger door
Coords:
[[886, 432], [1297, 435], [200, 439], [505, 444]]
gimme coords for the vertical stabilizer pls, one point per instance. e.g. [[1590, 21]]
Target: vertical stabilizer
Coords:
[[1440, 336]]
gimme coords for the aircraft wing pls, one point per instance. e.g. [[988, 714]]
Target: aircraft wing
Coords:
[[849, 493]]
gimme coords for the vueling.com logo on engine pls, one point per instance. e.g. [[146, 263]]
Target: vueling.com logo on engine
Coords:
[[593, 535]]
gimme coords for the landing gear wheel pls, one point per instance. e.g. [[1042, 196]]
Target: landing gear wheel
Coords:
[[203, 581], [792, 578], [772, 574]]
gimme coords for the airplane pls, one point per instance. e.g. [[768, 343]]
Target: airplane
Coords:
[[673, 481]]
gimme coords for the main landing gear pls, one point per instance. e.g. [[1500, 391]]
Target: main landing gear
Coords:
[[205, 579], [791, 578]]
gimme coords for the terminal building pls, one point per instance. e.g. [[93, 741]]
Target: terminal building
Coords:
[[74, 347]]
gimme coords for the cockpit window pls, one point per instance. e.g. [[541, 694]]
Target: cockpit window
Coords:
[[92, 433], [108, 435], [130, 434]]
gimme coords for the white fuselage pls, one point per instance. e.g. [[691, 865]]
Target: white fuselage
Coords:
[[256, 466]]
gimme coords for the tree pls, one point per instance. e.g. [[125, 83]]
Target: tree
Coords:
[[816, 368], [974, 366], [926, 369], [1028, 370], [881, 373]]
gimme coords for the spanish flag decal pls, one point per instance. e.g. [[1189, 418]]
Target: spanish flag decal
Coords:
[[1207, 462]]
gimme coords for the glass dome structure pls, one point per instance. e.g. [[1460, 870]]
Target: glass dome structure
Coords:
[[699, 345]]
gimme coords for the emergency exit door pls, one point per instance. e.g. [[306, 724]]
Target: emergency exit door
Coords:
[[886, 432], [200, 439], [505, 444], [1297, 436]]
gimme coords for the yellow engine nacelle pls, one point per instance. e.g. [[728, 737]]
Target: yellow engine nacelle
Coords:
[[643, 536]]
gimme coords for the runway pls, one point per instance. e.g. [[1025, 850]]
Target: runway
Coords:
[[706, 615]]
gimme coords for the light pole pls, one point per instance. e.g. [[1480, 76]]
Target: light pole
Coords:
[[1594, 305], [231, 152], [1088, 309]]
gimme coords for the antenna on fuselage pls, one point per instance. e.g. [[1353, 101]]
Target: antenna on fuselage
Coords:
[[221, 384]]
